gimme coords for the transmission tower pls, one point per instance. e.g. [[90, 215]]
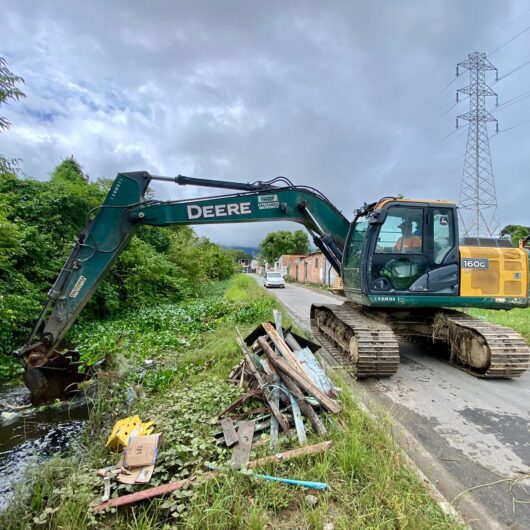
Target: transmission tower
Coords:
[[478, 199]]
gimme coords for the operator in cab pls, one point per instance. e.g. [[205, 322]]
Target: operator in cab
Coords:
[[410, 241]]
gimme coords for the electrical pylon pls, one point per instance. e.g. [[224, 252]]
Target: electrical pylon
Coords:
[[478, 199]]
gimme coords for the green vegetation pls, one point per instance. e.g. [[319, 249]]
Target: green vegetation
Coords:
[[517, 319], [194, 348], [282, 242], [9, 91], [39, 224], [516, 232]]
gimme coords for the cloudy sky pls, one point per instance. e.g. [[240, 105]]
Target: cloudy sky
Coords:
[[353, 97]]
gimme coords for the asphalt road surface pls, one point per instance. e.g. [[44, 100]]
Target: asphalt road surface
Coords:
[[477, 432]]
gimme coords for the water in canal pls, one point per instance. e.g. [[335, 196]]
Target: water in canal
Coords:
[[30, 435]]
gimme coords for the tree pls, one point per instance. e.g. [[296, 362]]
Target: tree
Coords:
[[516, 232], [70, 171], [9, 91], [282, 242]]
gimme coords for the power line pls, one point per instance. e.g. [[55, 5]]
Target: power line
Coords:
[[514, 98], [512, 127], [423, 109], [511, 39], [424, 135], [455, 133], [512, 101], [510, 24], [514, 70]]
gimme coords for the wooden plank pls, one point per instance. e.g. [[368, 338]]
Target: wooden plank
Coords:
[[242, 378], [229, 432], [299, 377], [152, 492], [285, 351], [288, 455], [241, 451]]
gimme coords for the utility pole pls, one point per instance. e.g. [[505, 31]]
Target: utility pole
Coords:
[[478, 199]]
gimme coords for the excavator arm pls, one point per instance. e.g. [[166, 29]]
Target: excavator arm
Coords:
[[48, 373]]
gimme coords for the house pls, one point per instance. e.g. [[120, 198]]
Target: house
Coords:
[[244, 264], [313, 268], [285, 265]]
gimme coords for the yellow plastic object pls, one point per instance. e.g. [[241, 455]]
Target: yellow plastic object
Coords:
[[497, 272], [125, 429]]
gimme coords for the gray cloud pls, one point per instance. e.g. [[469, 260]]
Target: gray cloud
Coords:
[[344, 96]]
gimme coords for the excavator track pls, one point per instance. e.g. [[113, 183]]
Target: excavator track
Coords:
[[482, 348], [363, 346]]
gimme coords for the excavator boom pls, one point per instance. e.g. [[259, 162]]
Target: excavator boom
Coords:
[[124, 210]]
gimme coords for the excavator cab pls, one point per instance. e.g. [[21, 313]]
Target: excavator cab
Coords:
[[399, 247]]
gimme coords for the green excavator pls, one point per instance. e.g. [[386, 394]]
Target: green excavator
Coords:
[[403, 266]]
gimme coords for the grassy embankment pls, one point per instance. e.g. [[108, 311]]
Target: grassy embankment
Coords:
[[517, 319], [194, 346]]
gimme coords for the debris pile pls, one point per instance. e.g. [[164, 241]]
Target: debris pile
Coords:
[[279, 369], [280, 373]]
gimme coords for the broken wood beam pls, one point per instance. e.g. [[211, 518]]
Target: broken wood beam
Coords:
[[284, 350], [152, 492], [299, 377], [288, 455], [229, 432], [241, 451], [242, 378]]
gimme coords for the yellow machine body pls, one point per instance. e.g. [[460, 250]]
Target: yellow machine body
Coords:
[[493, 272]]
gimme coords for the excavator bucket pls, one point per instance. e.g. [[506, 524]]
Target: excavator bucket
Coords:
[[57, 378]]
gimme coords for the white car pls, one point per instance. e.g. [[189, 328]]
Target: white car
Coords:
[[273, 279]]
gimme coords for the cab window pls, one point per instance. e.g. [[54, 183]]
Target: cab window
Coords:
[[402, 232], [443, 233], [356, 243]]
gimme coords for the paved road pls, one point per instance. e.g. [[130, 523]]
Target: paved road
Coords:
[[476, 431]]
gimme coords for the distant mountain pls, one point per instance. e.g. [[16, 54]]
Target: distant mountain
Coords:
[[251, 251]]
